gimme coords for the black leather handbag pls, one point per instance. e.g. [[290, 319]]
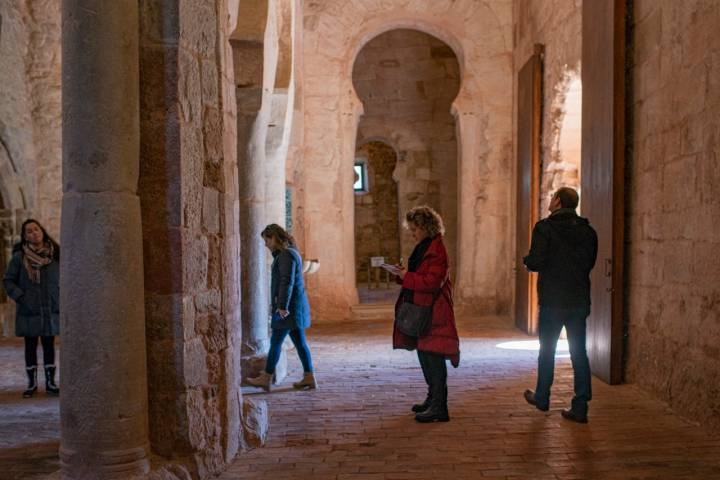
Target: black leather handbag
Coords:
[[415, 320]]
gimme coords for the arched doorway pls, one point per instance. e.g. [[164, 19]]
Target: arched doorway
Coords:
[[562, 167], [377, 229], [407, 81]]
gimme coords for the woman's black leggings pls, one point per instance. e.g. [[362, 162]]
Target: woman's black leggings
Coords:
[[434, 370], [48, 344]]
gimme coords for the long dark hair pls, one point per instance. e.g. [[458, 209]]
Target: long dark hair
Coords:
[[46, 238], [282, 237]]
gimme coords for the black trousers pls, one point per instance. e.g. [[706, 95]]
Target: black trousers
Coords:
[[552, 320], [48, 345], [434, 370]]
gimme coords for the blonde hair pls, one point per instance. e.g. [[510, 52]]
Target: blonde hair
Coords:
[[426, 218]]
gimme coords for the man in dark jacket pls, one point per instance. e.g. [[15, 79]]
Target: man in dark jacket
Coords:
[[563, 252]]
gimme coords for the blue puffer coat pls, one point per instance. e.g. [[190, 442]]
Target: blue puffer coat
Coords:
[[37, 313], [287, 290]]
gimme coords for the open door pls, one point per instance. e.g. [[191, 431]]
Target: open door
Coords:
[[529, 121], [603, 164]]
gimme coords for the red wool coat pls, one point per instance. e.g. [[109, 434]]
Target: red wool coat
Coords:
[[442, 338]]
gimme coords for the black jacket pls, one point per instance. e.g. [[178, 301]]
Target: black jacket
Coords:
[[38, 304], [563, 251]]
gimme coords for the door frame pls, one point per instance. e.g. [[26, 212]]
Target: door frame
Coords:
[[526, 319]]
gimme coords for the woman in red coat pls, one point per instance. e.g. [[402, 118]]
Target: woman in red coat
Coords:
[[427, 278]]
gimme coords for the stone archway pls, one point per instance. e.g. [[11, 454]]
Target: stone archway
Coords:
[[483, 110], [407, 81]]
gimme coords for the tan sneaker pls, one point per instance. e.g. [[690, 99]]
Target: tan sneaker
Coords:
[[308, 382], [264, 381]]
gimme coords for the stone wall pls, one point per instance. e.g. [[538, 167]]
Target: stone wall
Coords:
[[673, 211], [188, 190], [43, 73], [17, 153], [30, 123], [556, 24], [480, 34], [377, 231], [407, 81]]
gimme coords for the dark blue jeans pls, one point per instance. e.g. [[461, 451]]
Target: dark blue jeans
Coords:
[[297, 336], [551, 322]]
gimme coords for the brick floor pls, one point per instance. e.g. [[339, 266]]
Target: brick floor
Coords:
[[358, 424], [29, 428]]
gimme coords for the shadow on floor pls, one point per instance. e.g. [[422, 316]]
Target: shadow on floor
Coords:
[[29, 461]]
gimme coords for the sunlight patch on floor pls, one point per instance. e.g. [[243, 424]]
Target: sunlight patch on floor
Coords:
[[534, 345]]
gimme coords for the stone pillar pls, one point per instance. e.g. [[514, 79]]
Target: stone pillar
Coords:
[[255, 341], [103, 406], [252, 121], [276, 153]]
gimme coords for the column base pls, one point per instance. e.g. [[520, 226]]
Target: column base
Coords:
[[252, 365], [111, 464]]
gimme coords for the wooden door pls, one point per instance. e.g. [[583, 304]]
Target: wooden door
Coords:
[[602, 194], [529, 121]]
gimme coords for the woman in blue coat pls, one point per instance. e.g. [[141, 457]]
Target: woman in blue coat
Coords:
[[32, 280], [290, 307]]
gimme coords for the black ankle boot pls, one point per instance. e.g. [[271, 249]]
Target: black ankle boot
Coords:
[[32, 382], [50, 387], [421, 407], [569, 414], [435, 413]]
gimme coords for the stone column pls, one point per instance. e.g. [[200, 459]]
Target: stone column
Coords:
[[103, 405], [251, 182], [252, 120], [276, 153]]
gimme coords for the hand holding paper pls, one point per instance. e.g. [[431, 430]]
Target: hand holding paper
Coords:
[[394, 269]]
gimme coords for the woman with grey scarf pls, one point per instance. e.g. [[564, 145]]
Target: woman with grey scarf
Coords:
[[32, 280]]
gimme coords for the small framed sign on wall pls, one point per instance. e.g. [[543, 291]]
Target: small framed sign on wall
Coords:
[[360, 186]]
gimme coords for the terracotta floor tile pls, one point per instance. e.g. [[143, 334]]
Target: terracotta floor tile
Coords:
[[358, 424], [362, 409]]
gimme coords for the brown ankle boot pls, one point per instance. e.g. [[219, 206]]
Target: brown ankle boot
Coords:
[[308, 382], [264, 381]]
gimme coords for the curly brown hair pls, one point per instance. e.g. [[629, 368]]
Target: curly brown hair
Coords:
[[426, 218], [282, 237]]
